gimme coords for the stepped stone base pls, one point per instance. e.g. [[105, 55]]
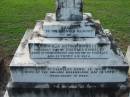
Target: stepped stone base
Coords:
[[68, 54], [113, 69]]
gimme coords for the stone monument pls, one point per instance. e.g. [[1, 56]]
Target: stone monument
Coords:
[[69, 54]]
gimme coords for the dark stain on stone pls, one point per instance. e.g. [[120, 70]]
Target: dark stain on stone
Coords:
[[96, 26], [23, 44], [38, 35], [76, 25], [60, 38], [113, 44], [102, 44], [58, 15], [75, 38], [81, 7]]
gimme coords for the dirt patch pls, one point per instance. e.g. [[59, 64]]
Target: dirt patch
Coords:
[[4, 71]]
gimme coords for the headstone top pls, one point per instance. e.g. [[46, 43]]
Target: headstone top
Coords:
[[69, 10]]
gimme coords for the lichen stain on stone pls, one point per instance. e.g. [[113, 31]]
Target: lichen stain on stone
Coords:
[[102, 44], [23, 44]]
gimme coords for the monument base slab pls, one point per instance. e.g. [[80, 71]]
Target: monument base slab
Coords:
[[42, 90]]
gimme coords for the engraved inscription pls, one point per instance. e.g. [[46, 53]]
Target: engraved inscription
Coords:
[[70, 74], [75, 72], [69, 30], [69, 51]]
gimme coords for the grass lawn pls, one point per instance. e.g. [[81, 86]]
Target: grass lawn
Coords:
[[18, 15]]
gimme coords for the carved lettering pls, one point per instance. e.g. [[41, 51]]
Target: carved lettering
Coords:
[[69, 51]]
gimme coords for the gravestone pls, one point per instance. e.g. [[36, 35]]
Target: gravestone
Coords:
[[69, 10], [69, 54]]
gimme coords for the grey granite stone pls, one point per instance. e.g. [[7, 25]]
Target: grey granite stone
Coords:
[[69, 10], [69, 48], [113, 69], [6, 94], [69, 54], [53, 28], [40, 90]]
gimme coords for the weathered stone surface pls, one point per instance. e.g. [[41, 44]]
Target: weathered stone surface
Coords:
[[6, 94], [69, 48], [69, 29], [42, 90], [109, 70], [52, 17], [69, 10], [68, 55], [68, 51], [128, 57], [53, 28], [73, 74]]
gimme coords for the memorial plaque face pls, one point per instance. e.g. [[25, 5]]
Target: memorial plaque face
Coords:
[[81, 74], [67, 51], [69, 10], [69, 29]]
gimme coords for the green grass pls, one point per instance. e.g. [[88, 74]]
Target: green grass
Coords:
[[18, 15]]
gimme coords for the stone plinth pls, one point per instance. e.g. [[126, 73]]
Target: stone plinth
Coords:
[[69, 48], [53, 28], [111, 70], [57, 90], [102, 74]]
